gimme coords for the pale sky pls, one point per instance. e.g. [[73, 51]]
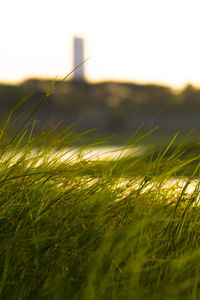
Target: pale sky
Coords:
[[134, 40]]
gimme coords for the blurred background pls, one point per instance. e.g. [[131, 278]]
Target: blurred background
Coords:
[[143, 69]]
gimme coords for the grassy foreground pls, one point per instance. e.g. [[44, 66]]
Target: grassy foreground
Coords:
[[76, 229]]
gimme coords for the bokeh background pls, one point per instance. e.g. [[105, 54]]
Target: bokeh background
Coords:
[[143, 71]]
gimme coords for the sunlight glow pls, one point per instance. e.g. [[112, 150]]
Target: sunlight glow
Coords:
[[134, 40]]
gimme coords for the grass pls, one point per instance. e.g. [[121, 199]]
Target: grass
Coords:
[[81, 229]]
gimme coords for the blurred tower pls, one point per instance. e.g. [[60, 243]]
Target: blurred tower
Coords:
[[78, 51]]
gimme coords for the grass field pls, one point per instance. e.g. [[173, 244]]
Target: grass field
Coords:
[[81, 229]]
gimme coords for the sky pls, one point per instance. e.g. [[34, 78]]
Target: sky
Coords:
[[154, 41]]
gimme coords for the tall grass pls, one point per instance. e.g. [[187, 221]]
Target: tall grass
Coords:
[[81, 229]]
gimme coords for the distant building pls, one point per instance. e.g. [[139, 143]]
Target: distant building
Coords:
[[78, 51]]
